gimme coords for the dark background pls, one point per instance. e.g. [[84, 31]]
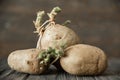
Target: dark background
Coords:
[[97, 22]]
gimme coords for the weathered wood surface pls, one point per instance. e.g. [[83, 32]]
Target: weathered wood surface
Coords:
[[97, 22], [112, 73]]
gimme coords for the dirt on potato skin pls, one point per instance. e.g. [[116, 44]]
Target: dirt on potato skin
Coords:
[[26, 61], [55, 35]]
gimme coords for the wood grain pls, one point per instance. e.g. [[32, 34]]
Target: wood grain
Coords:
[[112, 73]]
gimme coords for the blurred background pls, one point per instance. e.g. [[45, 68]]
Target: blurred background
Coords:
[[97, 22]]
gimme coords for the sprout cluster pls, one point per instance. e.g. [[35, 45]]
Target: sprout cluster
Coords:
[[45, 56]]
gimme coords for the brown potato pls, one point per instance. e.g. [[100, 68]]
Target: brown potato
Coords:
[[82, 59], [26, 61], [56, 35]]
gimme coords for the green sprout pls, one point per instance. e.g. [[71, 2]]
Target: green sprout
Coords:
[[66, 22], [57, 9], [46, 55]]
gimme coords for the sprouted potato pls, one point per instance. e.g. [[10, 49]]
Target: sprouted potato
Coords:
[[52, 34]]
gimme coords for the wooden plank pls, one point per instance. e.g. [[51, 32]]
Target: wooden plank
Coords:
[[49, 75], [71, 77], [53, 74], [17, 76], [108, 77], [36, 77], [23, 77], [61, 76], [85, 78], [101, 78], [114, 77], [6, 73]]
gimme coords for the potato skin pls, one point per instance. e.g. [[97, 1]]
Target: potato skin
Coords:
[[26, 61], [58, 34], [82, 59]]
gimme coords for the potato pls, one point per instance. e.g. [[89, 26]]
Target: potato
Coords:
[[82, 59], [56, 35], [52, 34], [26, 61]]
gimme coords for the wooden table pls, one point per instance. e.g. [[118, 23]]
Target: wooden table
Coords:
[[112, 73], [97, 22]]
